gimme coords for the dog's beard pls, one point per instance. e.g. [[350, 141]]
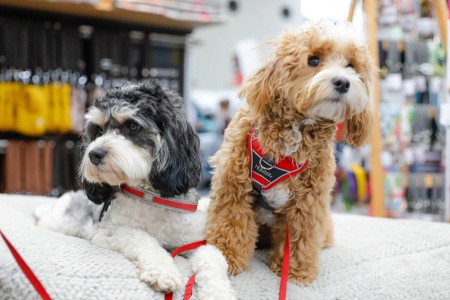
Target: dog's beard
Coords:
[[331, 105], [330, 110], [124, 161]]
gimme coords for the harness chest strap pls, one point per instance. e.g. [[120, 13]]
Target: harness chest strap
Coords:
[[264, 172]]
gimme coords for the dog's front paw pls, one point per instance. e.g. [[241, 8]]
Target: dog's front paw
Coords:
[[168, 280], [236, 263], [304, 275]]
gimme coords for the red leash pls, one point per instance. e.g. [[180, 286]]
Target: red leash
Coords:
[[45, 296], [187, 247], [285, 267], [26, 270], [189, 288], [190, 284]]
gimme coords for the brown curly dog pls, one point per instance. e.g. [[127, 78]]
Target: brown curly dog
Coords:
[[320, 77]]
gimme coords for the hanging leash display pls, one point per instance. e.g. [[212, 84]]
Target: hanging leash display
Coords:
[[26, 270]]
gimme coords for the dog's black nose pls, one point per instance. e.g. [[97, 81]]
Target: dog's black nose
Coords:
[[341, 84], [96, 156]]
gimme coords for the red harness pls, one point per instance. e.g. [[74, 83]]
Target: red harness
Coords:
[[263, 171]]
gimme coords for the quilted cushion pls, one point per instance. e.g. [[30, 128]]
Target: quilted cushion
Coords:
[[372, 259]]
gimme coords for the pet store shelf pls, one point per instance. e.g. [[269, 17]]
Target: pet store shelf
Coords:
[[370, 8], [105, 10]]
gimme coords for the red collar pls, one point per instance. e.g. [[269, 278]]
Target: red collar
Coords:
[[150, 197], [266, 174]]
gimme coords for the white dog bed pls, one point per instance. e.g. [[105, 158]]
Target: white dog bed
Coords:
[[372, 259]]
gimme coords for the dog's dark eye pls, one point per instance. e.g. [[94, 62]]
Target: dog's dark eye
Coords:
[[132, 126], [350, 66], [93, 131], [314, 61]]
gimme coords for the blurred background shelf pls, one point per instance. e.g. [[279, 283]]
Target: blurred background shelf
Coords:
[[184, 17]]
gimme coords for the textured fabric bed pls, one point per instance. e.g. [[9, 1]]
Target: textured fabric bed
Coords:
[[372, 259]]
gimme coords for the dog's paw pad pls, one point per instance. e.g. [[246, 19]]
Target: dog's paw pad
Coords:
[[162, 281]]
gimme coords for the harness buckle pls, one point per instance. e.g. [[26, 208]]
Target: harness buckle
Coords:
[[268, 161]]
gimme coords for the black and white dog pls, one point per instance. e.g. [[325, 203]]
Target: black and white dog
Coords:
[[141, 161]]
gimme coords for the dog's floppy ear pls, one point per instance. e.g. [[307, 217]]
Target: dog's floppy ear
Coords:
[[98, 193], [359, 127], [178, 166], [260, 89]]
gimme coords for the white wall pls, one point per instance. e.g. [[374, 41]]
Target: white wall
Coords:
[[211, 61]]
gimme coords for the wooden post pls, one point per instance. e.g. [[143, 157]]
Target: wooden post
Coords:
[[440, 8], [442, 15], [376, 170], [351, 12]]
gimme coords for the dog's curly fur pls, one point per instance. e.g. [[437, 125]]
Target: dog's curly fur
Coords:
[[296, 108]]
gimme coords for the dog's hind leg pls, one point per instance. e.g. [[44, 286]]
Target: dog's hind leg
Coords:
[[211, 278], [72, 214], [156, 266]]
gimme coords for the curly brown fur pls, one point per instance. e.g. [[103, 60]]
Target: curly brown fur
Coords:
[[296, 107]]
